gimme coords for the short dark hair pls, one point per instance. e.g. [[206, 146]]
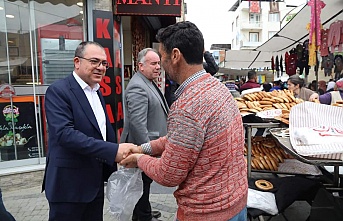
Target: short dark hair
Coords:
[[266, 86], [278, 83], [80, 50], [186, 37], [251, 74]]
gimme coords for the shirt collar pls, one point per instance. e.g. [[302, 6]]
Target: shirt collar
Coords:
[[188, 81], [83, 84]]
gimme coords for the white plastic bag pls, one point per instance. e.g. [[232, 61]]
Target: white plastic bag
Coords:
[[262, 200], [124, 189]]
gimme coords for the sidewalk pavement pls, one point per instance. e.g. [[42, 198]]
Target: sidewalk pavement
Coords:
[[29, 204]]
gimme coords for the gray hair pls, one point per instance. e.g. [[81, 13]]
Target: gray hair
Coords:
[[142, 54], [295, 79]]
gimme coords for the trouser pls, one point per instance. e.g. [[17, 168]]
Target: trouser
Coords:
[[241, 216], [142, 209], [4, 214], [71, 211]]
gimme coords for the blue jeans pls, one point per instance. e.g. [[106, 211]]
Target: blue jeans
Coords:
[[4, 215], [241, 216]]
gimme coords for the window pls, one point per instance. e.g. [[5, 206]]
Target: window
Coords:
[[237, 21], [274, 17], [37, 44], [254, 18], [253, 37], [232, 26], [271, 34]]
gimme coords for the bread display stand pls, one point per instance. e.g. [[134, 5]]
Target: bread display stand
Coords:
[[286, 145], [248, 127]]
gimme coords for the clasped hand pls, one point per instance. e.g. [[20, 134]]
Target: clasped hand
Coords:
[[128, 154]]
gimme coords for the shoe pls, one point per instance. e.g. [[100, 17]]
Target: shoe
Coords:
[[156, 214], [153, 219]]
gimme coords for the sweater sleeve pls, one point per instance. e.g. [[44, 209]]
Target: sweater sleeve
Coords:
[[325, 98], [181, 149]]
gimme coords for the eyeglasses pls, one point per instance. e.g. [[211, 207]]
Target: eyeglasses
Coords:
[[96, 62]]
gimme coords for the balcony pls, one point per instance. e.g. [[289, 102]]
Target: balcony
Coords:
[[251, 25], [249, 44]]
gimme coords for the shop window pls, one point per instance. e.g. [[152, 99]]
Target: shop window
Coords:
[[37, 43]]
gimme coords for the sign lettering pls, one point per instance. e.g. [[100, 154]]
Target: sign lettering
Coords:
[[107, 33], [148, 7]]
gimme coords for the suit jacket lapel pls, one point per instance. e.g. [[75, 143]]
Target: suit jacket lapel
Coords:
[[83, 101], [152, 88]]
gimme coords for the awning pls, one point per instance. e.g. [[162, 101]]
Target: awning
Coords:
[[237, 72], [295, 31], [247, 59]]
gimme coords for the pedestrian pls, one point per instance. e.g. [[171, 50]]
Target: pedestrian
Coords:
[[296, 86], [82, 150], [4, 214], [332, 96], [251, 83], [331, 86], [266, 87], [202, 153], [276, 86], [321, 87], [145, 119]]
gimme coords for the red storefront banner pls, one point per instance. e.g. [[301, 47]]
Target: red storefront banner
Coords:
[[148, 7], [107, 33]]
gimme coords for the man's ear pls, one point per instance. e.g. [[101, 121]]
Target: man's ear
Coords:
[[176, 55]]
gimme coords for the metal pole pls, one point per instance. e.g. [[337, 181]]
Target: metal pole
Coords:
[[316, 67]]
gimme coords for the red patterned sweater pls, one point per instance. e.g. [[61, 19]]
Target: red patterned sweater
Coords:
[[202, 153]]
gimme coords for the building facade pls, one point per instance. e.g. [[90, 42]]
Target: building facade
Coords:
[[37, 43], [254, 22]]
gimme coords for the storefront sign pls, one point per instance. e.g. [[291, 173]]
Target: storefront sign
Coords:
[[107, 33], [18, 130], [6, 91], [148, 7]]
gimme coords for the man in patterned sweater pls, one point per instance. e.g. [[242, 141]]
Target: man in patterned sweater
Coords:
[[202, 152]]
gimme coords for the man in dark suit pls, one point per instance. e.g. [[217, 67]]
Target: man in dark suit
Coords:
[[82, 144], [145, 118]]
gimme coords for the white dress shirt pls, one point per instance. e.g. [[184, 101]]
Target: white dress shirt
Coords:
[[94, 101]]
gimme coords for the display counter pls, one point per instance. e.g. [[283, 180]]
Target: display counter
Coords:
[[286, 145]]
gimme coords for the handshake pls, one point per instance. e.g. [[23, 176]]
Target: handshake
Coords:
[[128, 155]]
